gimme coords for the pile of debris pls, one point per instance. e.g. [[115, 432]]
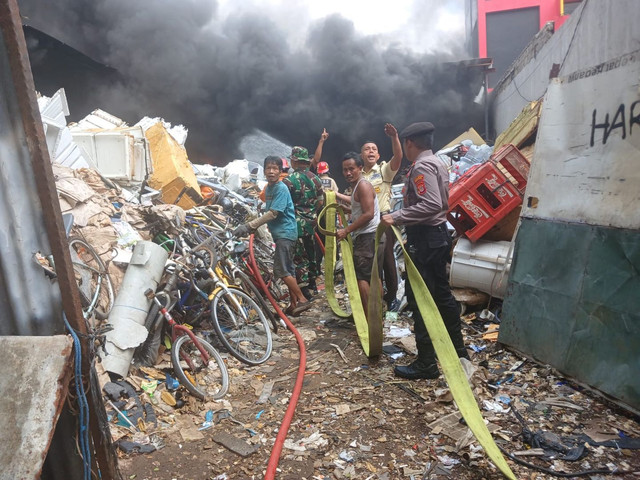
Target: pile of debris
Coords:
[[356, 420]]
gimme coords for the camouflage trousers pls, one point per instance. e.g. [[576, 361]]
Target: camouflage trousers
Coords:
[[307, 267]]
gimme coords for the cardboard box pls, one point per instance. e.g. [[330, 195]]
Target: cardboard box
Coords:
[[173, 174]]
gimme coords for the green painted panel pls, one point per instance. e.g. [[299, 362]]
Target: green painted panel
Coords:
[[540, 324], [617, 253], [549, 262], [573, 301]]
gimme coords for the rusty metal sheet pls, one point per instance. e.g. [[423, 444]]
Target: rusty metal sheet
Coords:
[[34, 387]]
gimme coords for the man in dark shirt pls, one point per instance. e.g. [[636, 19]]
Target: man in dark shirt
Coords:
[[306, 192]]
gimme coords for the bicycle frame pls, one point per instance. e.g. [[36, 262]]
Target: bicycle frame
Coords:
[[222, 283], [176, 327]]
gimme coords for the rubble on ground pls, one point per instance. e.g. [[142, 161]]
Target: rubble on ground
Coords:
[[356, 420]]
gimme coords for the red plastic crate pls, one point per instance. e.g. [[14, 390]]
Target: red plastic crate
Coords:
[[480, 199], [515, 163]]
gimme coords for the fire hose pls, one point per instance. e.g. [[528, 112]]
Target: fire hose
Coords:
[[370, 332], [297, 388]]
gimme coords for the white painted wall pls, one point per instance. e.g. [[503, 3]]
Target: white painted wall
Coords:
[[586, 166]]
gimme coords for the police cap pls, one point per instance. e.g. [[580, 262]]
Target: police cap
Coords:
[[415, 129]]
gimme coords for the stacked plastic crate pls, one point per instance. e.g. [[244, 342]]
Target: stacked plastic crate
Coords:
[[487, 193]]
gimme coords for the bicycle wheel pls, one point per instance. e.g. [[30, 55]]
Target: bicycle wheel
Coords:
[[92, 277], [203, 379], [241, 326], [243, 281]]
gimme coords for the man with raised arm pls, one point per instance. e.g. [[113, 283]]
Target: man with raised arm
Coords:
[[380, 175]]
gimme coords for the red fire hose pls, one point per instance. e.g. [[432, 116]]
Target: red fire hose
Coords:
[[319, 240], [297, 388]]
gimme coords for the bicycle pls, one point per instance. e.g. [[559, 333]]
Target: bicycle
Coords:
[[198, 366], [232, 258], [92, 278], [239, 323], [237, 319], [91, 274]]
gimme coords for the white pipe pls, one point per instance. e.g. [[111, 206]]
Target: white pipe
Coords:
[[131, 306]]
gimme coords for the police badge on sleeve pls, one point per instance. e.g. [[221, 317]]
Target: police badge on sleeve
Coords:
[[421, 186]]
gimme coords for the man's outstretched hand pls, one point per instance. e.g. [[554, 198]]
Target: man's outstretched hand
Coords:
[[390, 130]]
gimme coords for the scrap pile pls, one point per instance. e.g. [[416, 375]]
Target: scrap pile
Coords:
[[150, 241]]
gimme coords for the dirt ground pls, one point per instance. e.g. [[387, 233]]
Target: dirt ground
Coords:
[[355, 420]]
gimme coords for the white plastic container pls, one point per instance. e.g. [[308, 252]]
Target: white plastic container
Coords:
[[481, 265]]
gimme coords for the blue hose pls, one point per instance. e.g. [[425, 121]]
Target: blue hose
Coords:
[[83, 404]]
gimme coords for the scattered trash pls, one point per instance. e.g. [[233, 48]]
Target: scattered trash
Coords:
[[134, 447], [391, 316], [494, 406], [208, 420], [397, 332], [347, 456], [234, 444], [172, 383], [313, 441], [448, 461], [342, 355], [487, 315]]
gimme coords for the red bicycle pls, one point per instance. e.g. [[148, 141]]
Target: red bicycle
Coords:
[[198, 366]]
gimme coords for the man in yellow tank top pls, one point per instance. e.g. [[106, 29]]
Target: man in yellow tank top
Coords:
[[380, 175]]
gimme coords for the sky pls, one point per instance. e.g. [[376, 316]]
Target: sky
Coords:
[[288, 68]]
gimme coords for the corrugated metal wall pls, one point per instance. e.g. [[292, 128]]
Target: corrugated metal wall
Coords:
[[31, 304]]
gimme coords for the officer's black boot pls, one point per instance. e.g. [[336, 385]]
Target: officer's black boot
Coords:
[[417, 370], [424, 366], [462, 353]]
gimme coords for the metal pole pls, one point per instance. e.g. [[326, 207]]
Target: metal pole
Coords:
[[486, 105], [15, 45]]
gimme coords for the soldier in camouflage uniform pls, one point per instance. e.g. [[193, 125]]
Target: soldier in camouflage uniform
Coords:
[[306, 192]]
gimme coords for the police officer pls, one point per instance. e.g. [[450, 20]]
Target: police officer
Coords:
[[425, 204]]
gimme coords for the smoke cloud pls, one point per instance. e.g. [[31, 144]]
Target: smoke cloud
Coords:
[[225, 76]]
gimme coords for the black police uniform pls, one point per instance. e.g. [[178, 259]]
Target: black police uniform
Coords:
[[425, 204]]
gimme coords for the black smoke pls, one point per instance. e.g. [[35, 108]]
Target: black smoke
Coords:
[[223, 79]]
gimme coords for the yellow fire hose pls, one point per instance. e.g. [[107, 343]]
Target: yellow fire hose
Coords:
[[370, 332]]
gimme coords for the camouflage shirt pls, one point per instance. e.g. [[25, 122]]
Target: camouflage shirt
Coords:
[[306, 193]]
